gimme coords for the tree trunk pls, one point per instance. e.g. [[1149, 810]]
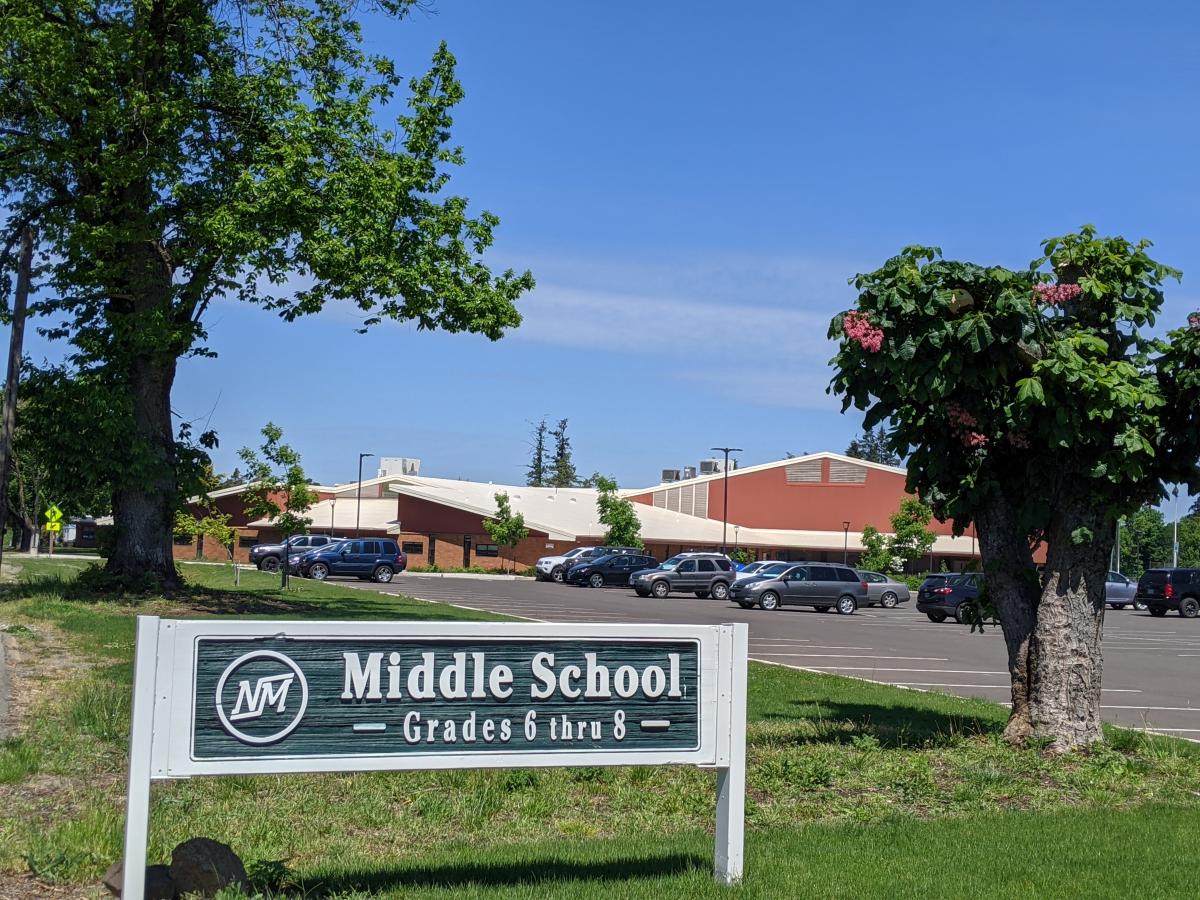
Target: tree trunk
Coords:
[[145, 344], [1065, 653], [143, 508], [1012, 586]]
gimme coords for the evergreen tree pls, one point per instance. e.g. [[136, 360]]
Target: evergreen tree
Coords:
[[563, 472], [535, 472], [873, 447]]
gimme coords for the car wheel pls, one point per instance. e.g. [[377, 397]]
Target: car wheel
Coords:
[[846, 605], [1189, 607], [1139, 606], [318, 571], [383, 574], [744, 605], [964, 614], [720, 590], [1117, 605], [769, 601], [596, 580], [270, 564], [641, 592], [936, 617], [1158, 611], [888, 600], [558, 575], [703, 595], [660, 589]]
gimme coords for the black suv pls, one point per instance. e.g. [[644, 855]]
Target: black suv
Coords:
[[612, 569], [267, 556], [702, 574], [1163, 589], [949, 595]]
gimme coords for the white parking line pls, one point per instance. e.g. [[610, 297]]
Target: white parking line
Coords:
[[881, 669], [862, 656], [996, 687], [760, 648], [1191, 709]]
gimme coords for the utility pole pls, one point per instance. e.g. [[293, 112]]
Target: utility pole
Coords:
[[1175, 535], [358, 511], [24, 274], [725, 505]]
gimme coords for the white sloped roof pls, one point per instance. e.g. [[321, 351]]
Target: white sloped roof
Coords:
[[338, 516], [791, 460]]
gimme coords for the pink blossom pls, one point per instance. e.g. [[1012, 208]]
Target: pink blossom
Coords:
[[974, 439], [959, 417], [858, 328], [1054, 294]]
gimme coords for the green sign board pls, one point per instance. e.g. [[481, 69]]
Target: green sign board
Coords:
[[283, 697], [216, 697]]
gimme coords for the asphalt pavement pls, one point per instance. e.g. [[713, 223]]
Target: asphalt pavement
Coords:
[[1150, 665]]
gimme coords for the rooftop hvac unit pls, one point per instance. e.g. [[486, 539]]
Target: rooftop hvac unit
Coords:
[[670, 475], [711, 466], [689, 472], [399, 465]]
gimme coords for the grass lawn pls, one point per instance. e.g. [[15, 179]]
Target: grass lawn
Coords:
[[854, 789]]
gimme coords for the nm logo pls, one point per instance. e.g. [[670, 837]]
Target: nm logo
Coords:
[[261, 697]]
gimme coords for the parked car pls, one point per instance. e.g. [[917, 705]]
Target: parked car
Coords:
[[755, 568], [363, 558], [554, 568], [703, 574], [887, 592], [615, 568], [823, 586], [1164, 589], [946, 595], [268, 556], [1120, 591]]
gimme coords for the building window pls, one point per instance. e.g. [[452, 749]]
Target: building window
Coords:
[[413, 547], [183, 540], [487, 550], [244, 541]]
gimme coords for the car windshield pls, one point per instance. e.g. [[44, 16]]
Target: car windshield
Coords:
[[571, 554], [671, 563], [601, 560], [335, 547], [752, 567], [774, 569]]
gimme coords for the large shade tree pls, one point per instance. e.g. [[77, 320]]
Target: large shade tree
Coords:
[[170, 152], [1037, 405]]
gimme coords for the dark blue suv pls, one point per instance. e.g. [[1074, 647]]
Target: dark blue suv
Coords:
[[366, 558]]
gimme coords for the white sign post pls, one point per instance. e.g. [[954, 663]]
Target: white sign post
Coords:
[[247, 698]]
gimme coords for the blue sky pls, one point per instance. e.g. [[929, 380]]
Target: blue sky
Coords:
[[692, 183]]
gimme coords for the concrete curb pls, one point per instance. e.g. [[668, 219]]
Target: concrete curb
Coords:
[[467, 575], [4, 720]]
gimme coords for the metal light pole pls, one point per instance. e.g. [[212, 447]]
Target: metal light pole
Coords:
[[16, 339], [1117, 547], [725, 505], [846, 544], [358, 511], [1175, 538]]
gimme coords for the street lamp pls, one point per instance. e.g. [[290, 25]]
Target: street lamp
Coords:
[[735, 537], [846, 543], [1175, 535], [725, 506], [358, 511]]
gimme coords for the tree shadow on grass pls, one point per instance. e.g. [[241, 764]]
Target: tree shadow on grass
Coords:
[[262, 602], [532, 873], [892, 726]]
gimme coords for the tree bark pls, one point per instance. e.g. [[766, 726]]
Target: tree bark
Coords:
[[1065, 652], [144, 502], [1012, 586]]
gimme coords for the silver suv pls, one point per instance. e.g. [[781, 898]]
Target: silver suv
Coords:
[[703, 574]]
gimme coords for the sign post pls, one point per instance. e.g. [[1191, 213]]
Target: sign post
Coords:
[[244, 698]]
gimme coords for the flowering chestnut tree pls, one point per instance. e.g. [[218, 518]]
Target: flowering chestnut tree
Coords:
[[1037, 405]]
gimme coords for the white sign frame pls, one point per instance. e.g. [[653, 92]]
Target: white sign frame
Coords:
[[163, 693]]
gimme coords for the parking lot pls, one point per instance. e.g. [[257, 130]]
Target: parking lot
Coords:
[[1150, 664]]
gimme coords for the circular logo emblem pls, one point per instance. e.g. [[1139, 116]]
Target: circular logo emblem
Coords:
[[261, 697]]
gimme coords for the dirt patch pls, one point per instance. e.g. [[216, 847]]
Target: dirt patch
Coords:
[[26, 887], [38, 667]]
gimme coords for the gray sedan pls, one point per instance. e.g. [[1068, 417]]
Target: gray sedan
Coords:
[[885, 591]]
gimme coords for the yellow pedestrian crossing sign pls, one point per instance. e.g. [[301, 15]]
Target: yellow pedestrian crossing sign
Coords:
[[54, 516]]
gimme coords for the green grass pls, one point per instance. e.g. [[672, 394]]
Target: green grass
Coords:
[[854, 789]]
